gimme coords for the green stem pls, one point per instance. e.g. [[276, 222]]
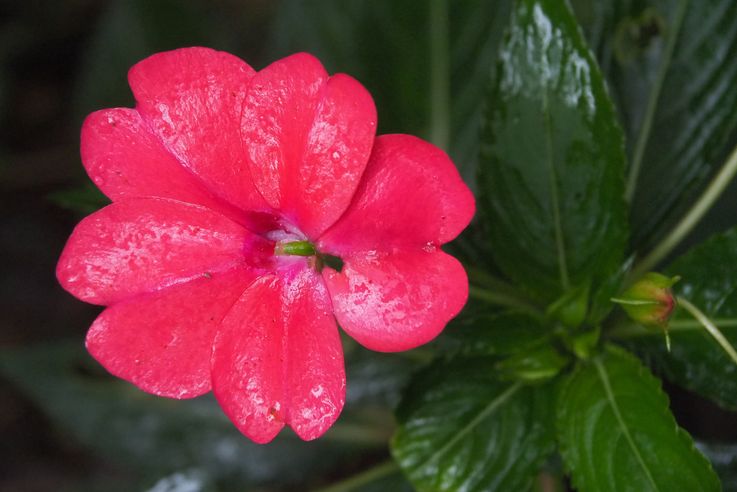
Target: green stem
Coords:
[[628, 329], [362, 435], [378, 472], [439, 74], [481, 277], [710, 327], [652, 103], [713, 191], [503, 299]]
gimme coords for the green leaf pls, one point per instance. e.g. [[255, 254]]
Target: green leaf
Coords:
[[84, 199], [462, 429], [669, 64], [551, 177], [387, 46], [696, 361], [617, 434], [723, 458], [488, 332]]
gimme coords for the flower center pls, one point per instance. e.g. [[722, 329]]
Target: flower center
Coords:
[[306, 248], [294, 248]]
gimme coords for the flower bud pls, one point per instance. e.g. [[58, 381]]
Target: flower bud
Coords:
[[571, 308], [650, 301], [538, 364]]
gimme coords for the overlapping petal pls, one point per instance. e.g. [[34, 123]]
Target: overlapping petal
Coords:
[[396, 301], [141, 245], [192, 100], [277, 359], [162, 341], [308, 138], [411, 195], [126, 160]]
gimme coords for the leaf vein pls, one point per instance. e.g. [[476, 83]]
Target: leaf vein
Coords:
[[554, 199], [622, 424], [488, 410]]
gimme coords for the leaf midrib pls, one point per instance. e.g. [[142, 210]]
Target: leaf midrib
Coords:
[[483, 414], [604, 377], [554, 198]]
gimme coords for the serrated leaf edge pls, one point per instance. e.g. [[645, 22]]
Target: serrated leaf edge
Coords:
[[643, 373]]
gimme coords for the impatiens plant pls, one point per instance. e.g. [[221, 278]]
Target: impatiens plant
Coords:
[[254, 213], [251, 211]]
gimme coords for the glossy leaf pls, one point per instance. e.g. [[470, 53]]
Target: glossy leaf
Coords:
[[551, 180], [396, 63], [617, 434], [723, 458], [673, 59], [709, 281], [485, 331], [462, 429]]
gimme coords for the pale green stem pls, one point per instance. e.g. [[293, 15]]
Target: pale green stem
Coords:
[[480, 277], [629, 329], [503, 299], [439, 74], [652, 103], [706, 200], [710, 327], [359, 434], [380, 471]]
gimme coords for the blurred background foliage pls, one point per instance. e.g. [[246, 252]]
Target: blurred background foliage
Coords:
[[67, 425]]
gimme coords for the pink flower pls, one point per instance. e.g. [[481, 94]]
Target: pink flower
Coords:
[[216, 176]]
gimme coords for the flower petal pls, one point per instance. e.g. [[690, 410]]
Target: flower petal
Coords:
[[398, 301], [192, 99], [144, 244], [309, 138], [125, 160], [411, 195], [162, 341], [277, 359]]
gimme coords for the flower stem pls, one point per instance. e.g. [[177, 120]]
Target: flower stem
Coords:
[[378, 472], [488, 280], [629, 329], [710, 327], [360, 435], [652, 103], [703, 204], [439, 74], [502, 299]]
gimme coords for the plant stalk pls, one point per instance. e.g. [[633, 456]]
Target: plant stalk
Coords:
[[503, 299], [439, 74], [378, 472], [710, 327], [652, 103], [703, 204]]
